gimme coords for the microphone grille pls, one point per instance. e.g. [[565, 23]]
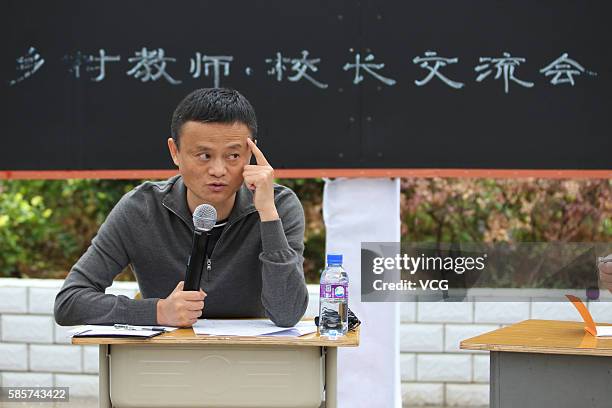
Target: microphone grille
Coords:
[[204, 217]]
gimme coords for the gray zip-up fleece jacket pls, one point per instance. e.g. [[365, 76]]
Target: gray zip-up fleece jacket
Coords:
[[256, 267]]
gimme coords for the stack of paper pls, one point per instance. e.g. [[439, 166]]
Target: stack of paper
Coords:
[[251, 327], [603, 331], [111, 331]]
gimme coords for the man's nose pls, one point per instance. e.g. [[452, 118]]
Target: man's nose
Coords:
[[217, 168]]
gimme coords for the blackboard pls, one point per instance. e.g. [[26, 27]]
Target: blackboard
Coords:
[[62, 115]]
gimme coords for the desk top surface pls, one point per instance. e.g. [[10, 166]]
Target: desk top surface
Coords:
[[542, 336], [187, 336]]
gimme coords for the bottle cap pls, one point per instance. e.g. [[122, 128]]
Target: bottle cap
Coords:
[[334, 259]]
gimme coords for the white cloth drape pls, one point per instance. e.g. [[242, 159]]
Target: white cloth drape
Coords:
[[355, 211]]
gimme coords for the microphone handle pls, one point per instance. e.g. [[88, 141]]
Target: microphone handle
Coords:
[[195, 264]]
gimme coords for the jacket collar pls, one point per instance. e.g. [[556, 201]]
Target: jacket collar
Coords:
[[175, 199]]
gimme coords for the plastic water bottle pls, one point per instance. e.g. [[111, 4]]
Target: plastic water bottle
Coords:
[[333, 299]]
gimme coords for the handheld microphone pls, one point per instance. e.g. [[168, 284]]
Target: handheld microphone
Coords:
[[204, 219]]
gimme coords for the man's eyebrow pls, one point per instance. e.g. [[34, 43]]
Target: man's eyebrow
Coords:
[[201, 147]]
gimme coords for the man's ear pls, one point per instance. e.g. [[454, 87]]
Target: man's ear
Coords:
[[173, 151]]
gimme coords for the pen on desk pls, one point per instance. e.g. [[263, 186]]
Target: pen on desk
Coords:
[[130, 327]]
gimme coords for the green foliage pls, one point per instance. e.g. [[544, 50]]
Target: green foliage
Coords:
[[45, 226], [516, 210], [310, 192]]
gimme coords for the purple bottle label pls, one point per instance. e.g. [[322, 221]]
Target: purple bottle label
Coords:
[[333, 291]]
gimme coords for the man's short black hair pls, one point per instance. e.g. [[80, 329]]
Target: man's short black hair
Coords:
[[220, 105]]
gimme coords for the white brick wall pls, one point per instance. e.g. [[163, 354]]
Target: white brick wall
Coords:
[[408, 367], [61, 335], [27, 328], [80, 385], [313, 301], [10, 379], [440, 312], [91, 359], [601, 311], [56, 358], [13, 357], [467, 395], [408, 311], [421, 337], [36, 351], [501, 312], [41, 300], [13, 300], [420, 394], [444, 367], [481, 368], [554, 311]]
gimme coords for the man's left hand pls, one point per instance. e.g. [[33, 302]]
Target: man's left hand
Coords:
[[259, 178]]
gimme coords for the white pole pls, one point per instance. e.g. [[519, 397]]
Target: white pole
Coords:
[[356, 211]]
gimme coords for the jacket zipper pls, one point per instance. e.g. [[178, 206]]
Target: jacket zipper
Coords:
[[208, 268], [209, 260], [175, 213], [226, 229]]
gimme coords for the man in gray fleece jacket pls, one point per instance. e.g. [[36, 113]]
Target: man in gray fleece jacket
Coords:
[[255, 265]]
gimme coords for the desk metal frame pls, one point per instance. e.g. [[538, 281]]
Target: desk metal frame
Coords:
[[531, 380], [547, 364], [329, 348]]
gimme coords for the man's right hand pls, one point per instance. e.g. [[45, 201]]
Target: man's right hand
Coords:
[[181, 308]]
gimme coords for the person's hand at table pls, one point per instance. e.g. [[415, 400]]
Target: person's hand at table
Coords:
[[181, 308], [605, 272]]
